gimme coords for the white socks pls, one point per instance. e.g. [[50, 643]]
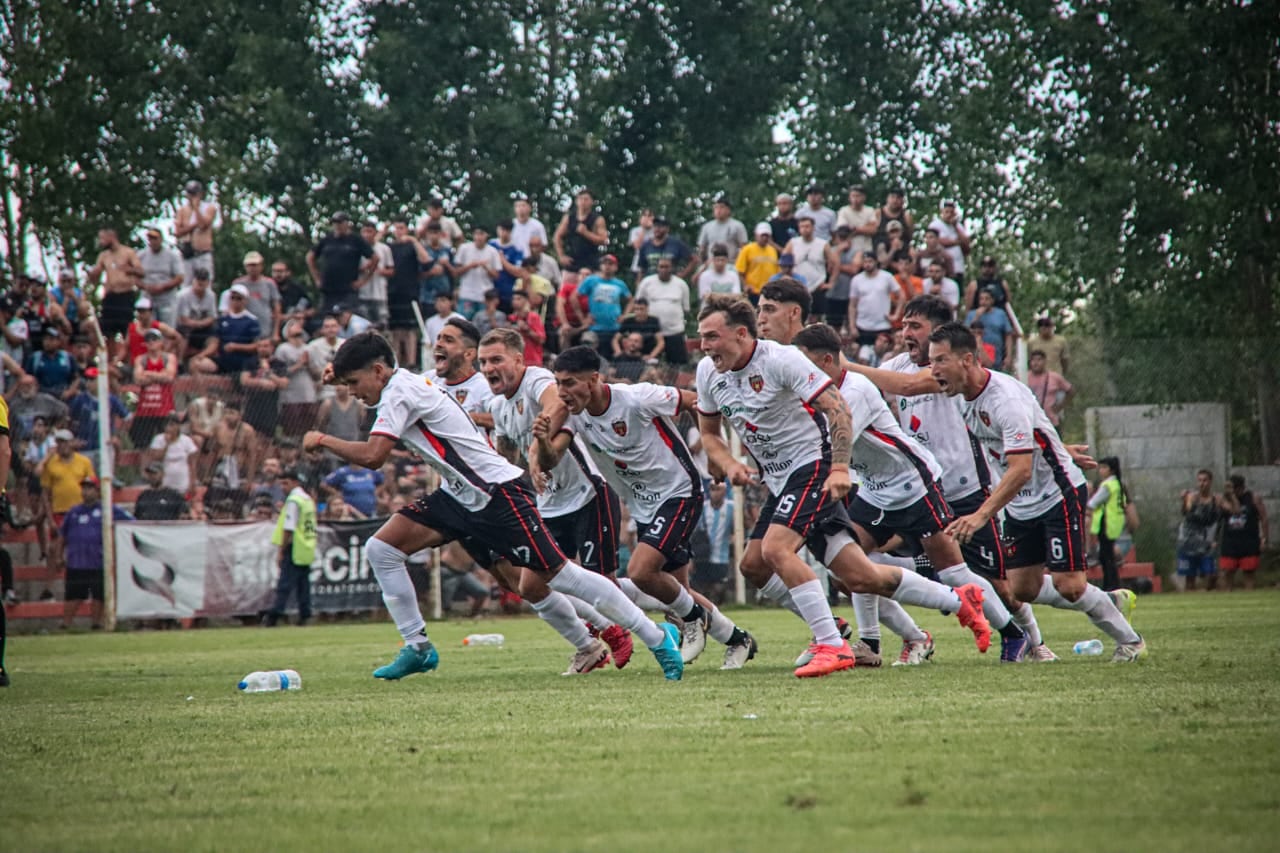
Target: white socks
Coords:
[[776, 590], [557, 610], [683, 603], [1026, 620], [722, 626], [1095, 604], [960, 574], [640, 598], [811, 602], [600, 593], [589, 614], [896, 619], [866, 612], [398, 593], [914, 589]]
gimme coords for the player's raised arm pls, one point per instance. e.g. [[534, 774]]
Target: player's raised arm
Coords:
[[893, 382]]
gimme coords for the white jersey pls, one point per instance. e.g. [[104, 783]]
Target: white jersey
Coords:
[[569, 487], [638, 449], [473, 393], [934, 420], [1006, 419], [767, 403], [891, 468], [414, 410]]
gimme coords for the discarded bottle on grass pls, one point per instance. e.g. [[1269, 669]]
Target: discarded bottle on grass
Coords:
[[1088, 647], [483, 640], [265, 682]]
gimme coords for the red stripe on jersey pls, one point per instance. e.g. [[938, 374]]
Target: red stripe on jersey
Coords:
[[436, 444]]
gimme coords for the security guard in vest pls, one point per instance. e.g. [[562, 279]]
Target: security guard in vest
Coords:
[[295, 536]]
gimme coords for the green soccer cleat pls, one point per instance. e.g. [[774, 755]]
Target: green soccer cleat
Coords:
[[1126, 602], [668, 652], [412, 659]]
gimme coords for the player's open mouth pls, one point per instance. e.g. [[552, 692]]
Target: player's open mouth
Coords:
[[942, 383]]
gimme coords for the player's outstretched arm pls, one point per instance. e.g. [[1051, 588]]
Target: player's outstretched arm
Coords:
[[367, 454], [892, 382], [1016, 475]]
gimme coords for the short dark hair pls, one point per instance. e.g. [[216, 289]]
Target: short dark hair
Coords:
[[508, 338], [955, 334], [819, 337], [579, 359], [504, 224], [470, 334], [933, 309], [789, 291], [1206, 472], [1036, 352], [360, 351], [736, 309], [444, 294], [640, 300]]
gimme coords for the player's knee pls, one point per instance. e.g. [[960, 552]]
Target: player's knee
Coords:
[[1070, 586], [754, 568]]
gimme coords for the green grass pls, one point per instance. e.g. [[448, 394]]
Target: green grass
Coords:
[[140, 742]]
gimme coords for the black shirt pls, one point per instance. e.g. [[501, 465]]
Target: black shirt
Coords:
[[296, 296], [649, 328], [339, 259], [784, 229], [672, 247], [402, 287], [160, 504]]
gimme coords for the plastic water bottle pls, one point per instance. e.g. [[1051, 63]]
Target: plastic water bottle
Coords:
[[264, 682], [483, 640], [1088, 647]]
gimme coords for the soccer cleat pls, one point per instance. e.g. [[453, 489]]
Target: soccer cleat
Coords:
[[1014, 649], [592, 657], [4, 678], [826, 660], [971, 617], [1126, 602], [1041, 654], [804, 657], [863, 654], [411, 660], [619, 640], [693, 637], [915, 652], [845, 629], [1130, 652], [736, 656], [668, 653]]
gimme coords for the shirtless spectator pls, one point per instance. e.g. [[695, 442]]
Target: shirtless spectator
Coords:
[[234, 445], [122, 270], [193, 226]]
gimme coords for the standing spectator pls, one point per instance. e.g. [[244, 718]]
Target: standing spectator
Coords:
[[640, 322], [145, 321], [847, 264], [988, 279], [824, 218], [718, 276], [81, 531], [437, 273], [525, 227], [540, 290], [757, 262], [544, 265], [787, 269], [582, 234], [510, 257], [83, 409], [903, 268], [193, 226], [295, 536], [154, 370], [123, 272], [175, 452], [491, 316], [571, 313], [952, 237], [342, 416], [158, 502], [336, 262], [477, 265], [60, 479], [53, 367], [162, 274], [783, 226], [320, 353], [447, 226], [996, 330], [530, 327], [41, 311], [721, 230], [408, 259], [357, 486], [668, 298], [1198, 532], [197, 311], [1051, 390], [266, 483], [607, 297], [933, 253], [638, 236], [1245, 534], [234, 341], [263, 300], [204, 414], [939, 285], [863, 222], [444, 311], [891, 243], [1109, 509], [712, 578], [262, 380], [813, 261], [372, 283], [1054, 346], [234, 449], [37, 448], [27, 402], [663, 245], [68, 296], [297, 302], [875, 302], [895, 210], [629, 361], [298, 398], [16, 333]]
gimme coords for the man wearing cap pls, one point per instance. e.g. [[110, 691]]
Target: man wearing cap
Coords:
[[122, 270], [372, 283], [525, 227], [787, 269], [718, 276], [145, 321], [68, 296], [449, 228], [154, 371], [607, 297], [197, 312], [721, 229], [863, 222], [758, 261], [193, 227], [952, 237], [782, 224], [663, 245], [342, 255], [157, 502], [824, 218], [53, 367], [41, 311], [60, 479], [81, 534], [263, 300], [891, 242], [295, 536], [162, 274], [233, 344]]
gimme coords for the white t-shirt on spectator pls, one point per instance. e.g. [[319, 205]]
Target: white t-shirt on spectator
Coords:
[[474, 282], [668, 302], [435, 323], [523, 232], [710, 281], [177, 474], [875, 299], [949, 232], [949, 292], [375, 289]]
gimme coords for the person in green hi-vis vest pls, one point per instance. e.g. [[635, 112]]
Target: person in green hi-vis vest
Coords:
[[295, 536]]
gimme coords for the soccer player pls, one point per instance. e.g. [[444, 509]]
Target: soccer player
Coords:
[[481, 501], [1041, 489], [898, 492], [628, 431], [798, 428], [455, 353], [582, 512]]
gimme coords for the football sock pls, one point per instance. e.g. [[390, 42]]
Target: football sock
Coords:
[[722, 627], [777, 591], [905, 563], [1102, 611], [398, 593], [872, 643], [589, 614], [685, 607], [558, 611], [992, 607], [602, 594], [894, 617], [640, 598], [811, 602], [866, 612], [1011, 631], [737, 638], [1026, 620], [914, 589]]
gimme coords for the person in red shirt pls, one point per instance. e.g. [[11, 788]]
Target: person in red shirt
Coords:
[[154, 371], [530, 327], [144, 320], [571, 312]]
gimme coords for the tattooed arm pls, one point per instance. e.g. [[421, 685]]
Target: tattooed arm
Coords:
[[840, 425]]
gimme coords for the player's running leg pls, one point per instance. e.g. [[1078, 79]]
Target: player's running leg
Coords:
[[1101, 610], [831, 652], [387, 552], [557, 610], [740, 646], [942, 550]]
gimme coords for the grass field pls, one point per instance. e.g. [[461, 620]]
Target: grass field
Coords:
[[140, 742]]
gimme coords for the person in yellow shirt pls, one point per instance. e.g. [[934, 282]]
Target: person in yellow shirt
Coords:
[[757, 262], [60, 477]]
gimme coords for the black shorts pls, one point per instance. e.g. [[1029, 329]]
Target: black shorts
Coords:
[[1054, 539], [671, 530], [509, 527], [83, 585], [985, 551], [591, 532], [116, 314], [927, 516], [674, 350], [836, 312], [145, 428], [805, 507]]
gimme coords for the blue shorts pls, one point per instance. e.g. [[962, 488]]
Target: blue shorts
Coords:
[[1190, 567]]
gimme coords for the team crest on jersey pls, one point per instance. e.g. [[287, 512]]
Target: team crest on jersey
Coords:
[[461, 395], [915, 423], [620, 427], [520, 406], [986, 419], [756, 381]]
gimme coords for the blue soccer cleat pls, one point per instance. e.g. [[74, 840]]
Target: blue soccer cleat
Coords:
[[668, 653], [1014, 649], [412, 659]]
